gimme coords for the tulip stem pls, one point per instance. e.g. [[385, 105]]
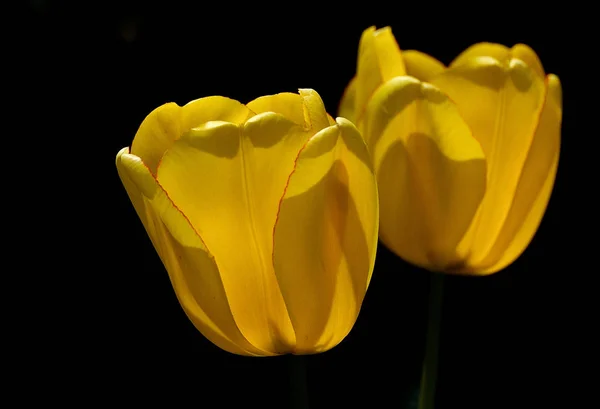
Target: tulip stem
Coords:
[[298, 382], [430, 364]]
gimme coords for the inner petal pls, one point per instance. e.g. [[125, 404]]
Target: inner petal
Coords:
[[379, 59], [165, 124]]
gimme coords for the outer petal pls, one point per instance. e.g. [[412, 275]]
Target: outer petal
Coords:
[[535, 185], [192, 270], [229, 180], [421, 66], [347, 103], [326, 237], [167, 123], [431, 171], [501, 102], [379, 59]]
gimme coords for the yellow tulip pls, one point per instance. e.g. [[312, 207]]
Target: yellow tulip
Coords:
[[465, 155], [264, 215]]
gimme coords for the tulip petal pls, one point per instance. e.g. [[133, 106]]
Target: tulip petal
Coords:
[[287, 104], [346, 108], [228, 180], [326, 237], [502, 53], [167, 123], [524, 53], [379, 59], [497, 51], [535, 185], [156, 134], [192, 270], [501, 102], [295, 107], [421, 66], [431, 171]]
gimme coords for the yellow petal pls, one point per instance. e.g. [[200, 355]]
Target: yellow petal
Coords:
[[431, 171], [288, 104], [502, 53], [501, 103], [156, 134], [346, 108], [167, 123], [524, 53], [228, 180], [493, 50], [421, 66], [295, 107], [326, 237], [192, 270], [535, 185], [315, 115], [379, 59]]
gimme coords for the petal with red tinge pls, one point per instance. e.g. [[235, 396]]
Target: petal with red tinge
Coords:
[[326, 237], [191, 267]]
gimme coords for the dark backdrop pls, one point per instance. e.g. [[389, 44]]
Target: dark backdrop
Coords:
[[120, 336]]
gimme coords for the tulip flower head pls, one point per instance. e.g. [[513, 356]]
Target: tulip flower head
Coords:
[[465, 155], [264, 215]]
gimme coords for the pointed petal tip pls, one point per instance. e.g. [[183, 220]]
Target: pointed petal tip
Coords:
[[383, 30], [307, 92], [370, 29], [315, 115]]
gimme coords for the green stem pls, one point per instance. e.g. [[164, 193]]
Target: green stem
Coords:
[[430, 364], [298, 384]]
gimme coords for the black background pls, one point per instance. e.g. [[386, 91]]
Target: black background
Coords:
[[118, 335]]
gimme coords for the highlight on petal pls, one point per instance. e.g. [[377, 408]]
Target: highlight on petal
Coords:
[[215, 108], [496, 51], [501, 103], [167, 123], [288, 104], [156, 134], [502, 53], [326, 237], [191, 268], [379, 59], [431, 171], [524, 53], [295, 107], [534, 188], [228, 179], [347, 103], [421, 66]]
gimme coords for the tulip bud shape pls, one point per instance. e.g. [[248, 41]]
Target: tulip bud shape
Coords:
[[465, 155], [264, 215]]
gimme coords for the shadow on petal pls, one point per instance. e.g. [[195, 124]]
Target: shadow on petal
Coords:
[[221, 139], [322, 261], [428, 201]]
